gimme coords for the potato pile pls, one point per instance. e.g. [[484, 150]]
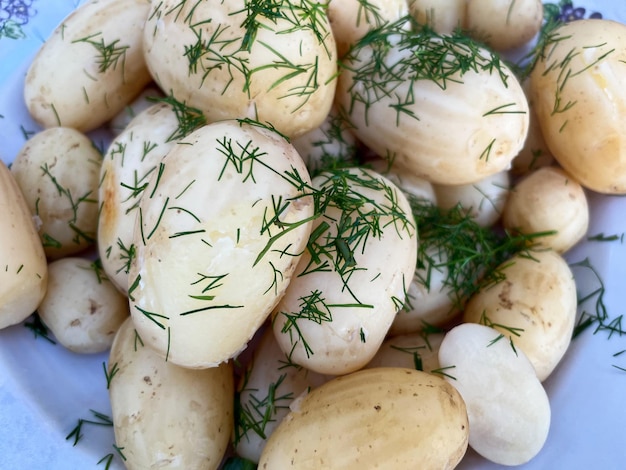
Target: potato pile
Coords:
[[309, 242]]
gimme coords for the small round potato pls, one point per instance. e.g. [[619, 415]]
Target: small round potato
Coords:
[[534, 305], [81, 306], [132, 158], [385, 418], [57, 170], [449, 124], [504, 24], [267, 388], [546, 200]]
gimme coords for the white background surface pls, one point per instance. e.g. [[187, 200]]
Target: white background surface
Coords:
[[44, 390]]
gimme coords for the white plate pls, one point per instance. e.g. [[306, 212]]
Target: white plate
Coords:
[[45, 390]]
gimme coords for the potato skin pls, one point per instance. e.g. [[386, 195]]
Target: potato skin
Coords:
[[166, 416], [24, 273], [385, 418], [91, 66]]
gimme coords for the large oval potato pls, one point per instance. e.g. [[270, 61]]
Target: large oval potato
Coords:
[[406, 106], [578, 93], [90, 67], [24, 273], [236, 59], [57, 170], [353, 278], [384, 418], [166, 416], [218, 237]]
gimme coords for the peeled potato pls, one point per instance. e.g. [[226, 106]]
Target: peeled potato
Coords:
[[385, 418], [578, 93], [24, 276], [508, 408], [534, 305]]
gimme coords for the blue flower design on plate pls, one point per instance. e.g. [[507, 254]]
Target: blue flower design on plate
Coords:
[[565, 11], [13, 15]]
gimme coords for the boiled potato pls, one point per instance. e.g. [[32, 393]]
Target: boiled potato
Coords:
[[444, 16], [91, 67], [580, 100], [548, 200], [24, 273], [504, 24], [57, 170], [140, 103], [431, 300], [132, 158], [406, 109], [331, 144], [217, 238], [385, 418], [166, 416], [352, 19], [352, 279], [534, 305], [81, 306], [535, 153], [483, 200], [419, 351], [267, 388], [274, 65], [508, 408]]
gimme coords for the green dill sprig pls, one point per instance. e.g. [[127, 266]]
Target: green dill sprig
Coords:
[[259, 408], [110, 55], [471, 256], [99, 419], [189, 118], [225, 48], [39, 328], [598, 316]]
